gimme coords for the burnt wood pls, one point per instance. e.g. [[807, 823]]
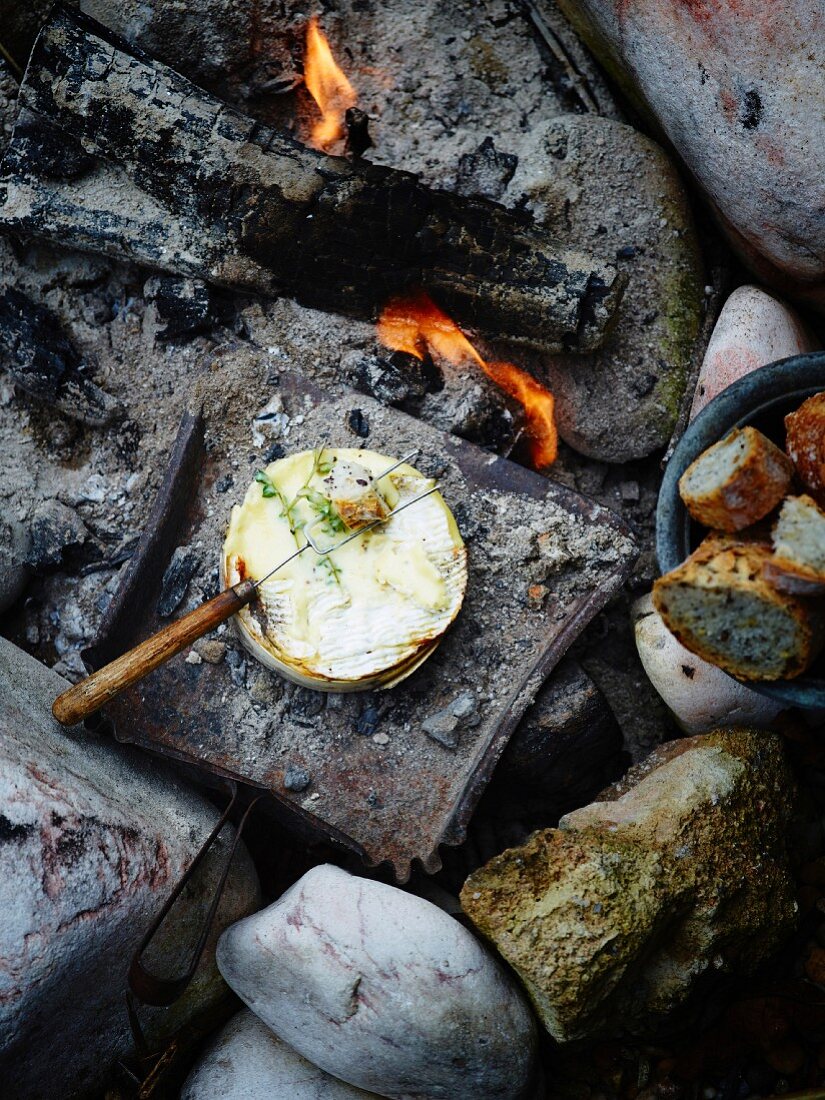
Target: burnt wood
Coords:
[[116, 153]]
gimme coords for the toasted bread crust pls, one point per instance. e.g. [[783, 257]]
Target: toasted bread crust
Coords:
[[748, 493], [806, 444], [720, 572], [788, 576]]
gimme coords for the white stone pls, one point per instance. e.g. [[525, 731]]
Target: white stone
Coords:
[[382, 989], [700, 695], [93, 836], [248, 1062], [753, 329]]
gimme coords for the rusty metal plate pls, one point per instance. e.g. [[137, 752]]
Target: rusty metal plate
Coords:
[[543, 562]]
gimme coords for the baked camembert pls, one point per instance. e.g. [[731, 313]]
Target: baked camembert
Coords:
[[364, 615]]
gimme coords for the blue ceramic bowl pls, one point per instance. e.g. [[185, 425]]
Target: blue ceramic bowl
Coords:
[[762, 399]]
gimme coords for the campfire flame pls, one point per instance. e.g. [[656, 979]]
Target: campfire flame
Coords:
[[416, 325], [328, 86]]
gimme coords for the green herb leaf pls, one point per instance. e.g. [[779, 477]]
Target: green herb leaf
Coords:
[[270, 489]]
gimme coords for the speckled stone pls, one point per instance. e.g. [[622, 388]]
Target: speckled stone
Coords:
[[93, 836], [753, 329], [383, 990], [738, 90], [611, 191], [612, 919]]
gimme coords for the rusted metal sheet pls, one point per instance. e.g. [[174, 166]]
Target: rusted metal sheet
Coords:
[[378, 783]]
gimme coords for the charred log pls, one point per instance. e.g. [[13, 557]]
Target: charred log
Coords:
[[182, 182], [42, 360]]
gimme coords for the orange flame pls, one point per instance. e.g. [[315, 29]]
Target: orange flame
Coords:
[[416, 325], [328, 86]]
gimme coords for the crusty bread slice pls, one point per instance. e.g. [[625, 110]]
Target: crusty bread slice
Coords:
[[798, 561], [737, 481], [720, 607], [806, 444]]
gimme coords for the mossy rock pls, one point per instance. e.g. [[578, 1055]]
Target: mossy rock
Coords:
[[609, 190], [681, 871]]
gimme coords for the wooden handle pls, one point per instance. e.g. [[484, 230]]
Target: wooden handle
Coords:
[[90, 694]]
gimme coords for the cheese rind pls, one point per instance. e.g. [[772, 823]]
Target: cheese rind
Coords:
[[366, 614]]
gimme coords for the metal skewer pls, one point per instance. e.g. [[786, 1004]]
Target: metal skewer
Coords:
[[89, 695]]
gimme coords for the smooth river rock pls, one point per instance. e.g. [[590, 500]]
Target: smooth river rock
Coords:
[[604, 187], [738, 89], [754, 328], [700, 695], [93, 837], [676, 874], [384, 990], [248, 1062]]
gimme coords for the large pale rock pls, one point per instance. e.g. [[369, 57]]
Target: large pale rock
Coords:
[[700, 695], [610, 190], [248, 1062], [92, 839], [681, 870], [753, 329], [382, 989], [738, 88]]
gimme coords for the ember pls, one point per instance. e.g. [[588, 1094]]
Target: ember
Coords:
[[416, 325], [328, 86]]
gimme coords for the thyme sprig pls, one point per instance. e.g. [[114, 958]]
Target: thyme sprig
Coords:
[[322, 506], [270, 489]]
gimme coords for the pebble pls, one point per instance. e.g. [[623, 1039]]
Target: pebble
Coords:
[[754, 328], [248, 1062], [211, 650], [445, 725], [383, 990], [296, 779]]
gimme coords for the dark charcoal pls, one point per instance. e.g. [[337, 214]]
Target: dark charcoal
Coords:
[[398, 379], [274, 451], [41, 359], [56, 530], [59, 157], [358, 131], [358, 423], [179, 573], [486, 171], [187, 306], [296, 779]]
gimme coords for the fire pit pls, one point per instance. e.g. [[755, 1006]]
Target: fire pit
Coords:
[[234, 233]]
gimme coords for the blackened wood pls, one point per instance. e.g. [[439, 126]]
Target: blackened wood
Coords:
[[42, 360], [183, 182]]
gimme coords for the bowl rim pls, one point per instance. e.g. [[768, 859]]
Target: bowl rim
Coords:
[[746, 399]]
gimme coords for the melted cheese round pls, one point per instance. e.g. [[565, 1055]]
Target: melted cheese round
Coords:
[[365, 615]]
